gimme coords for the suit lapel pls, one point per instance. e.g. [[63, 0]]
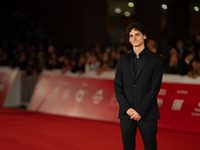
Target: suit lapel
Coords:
[[131, 64], [142, 64]]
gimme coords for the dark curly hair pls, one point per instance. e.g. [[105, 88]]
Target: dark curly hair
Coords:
[[137, 26]]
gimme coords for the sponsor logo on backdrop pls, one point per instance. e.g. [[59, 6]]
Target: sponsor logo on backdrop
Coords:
[[98, 96], [160, 102], [177, 104], [181, 92], [79, 95], [53, 96], [162, 92], [99, 102], [113, 101], [196, 110]]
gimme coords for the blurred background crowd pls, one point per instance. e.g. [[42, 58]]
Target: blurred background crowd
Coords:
[[25, 43]]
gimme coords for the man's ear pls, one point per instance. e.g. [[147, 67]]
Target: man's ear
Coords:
[[145, 36]]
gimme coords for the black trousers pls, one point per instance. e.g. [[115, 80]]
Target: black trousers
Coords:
[[147, 128]]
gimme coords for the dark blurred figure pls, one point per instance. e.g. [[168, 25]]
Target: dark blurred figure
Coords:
[[65, 64], [172, 66], [172, 50], [41, 31], [80, 66], [151, 44], [194, 71], [32, 34], [113, 59], [50, 50], [180, 48], [104, 63], [197, 52], [22, 62], [41, 62], [52, 58], [124, 48], [92, 63], [31, 68], [98, 51], [3, 58], [183, 67], [52, 62]]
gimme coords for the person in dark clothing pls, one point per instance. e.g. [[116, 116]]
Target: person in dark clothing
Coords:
[[137, 83], [183, 67], [171, 67], [80, 66]]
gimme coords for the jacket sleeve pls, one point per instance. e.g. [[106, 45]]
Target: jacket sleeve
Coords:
[[151, 96], [119, 92]]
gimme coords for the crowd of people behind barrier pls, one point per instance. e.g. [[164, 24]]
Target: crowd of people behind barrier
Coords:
[[25, 44]]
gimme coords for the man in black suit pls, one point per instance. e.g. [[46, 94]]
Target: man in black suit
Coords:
[[137, 83]]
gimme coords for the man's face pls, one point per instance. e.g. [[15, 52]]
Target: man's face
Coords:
[[136, 38]]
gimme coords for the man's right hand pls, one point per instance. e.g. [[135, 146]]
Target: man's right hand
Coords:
[[130, 111], [133, 114]]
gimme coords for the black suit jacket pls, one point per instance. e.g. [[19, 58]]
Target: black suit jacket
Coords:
[[139, 91]]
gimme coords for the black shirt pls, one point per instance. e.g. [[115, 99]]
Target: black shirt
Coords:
[[138, 60]]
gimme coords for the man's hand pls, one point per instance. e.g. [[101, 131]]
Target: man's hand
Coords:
[[136, 116], [133, 114], [130, 111]]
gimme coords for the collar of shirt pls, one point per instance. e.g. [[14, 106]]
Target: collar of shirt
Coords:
[[143, 52]]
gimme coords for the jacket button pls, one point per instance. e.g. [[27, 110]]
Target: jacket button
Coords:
[[134, 85]]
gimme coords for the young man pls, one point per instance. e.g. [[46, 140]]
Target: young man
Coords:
[[137, 83]]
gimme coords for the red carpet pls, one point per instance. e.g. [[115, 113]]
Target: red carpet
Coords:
[[22, 130]]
